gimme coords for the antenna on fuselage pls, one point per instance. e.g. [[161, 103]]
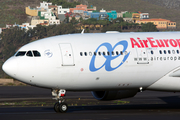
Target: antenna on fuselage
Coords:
[[82, 31]]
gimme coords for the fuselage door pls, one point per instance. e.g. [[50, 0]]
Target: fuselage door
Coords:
[[142, 56], [67, 54]]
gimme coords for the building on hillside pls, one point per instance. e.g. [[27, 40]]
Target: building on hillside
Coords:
[[71, 15], [160, 23], [43, 15], [11, 25], [112, 15], [99, 15], [127, 16], [93, 8], [54, 9], [135, 17], [36, 20], [48, 15], [86, 15], [31, 11], [62, 10], [3, 29], [61, 17], [144, 15], [119, 15], [45, 5], [80, 7], [79, 11], [102, 10], [26, 26], [96, 15]]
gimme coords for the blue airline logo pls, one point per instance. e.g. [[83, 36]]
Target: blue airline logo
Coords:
[[109, 58]]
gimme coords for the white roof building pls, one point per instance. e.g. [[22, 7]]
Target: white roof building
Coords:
[[62, 10], [102, 10], [26, 26], [45, 4], [144, 15]]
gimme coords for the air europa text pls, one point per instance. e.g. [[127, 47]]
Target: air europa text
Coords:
[[153, 43]]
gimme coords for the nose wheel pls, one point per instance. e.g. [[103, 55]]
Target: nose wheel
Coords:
[[60, 106]]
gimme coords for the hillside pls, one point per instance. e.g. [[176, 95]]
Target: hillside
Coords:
[[172, 4], [155, 10], [12, 11]]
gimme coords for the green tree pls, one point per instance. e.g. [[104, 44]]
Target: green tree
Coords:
[[80, 19], [118, 20], [40, 31], [66, 20], [149, 27], [112, 27], [73, 21]]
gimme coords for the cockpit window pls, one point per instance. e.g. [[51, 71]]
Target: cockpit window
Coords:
[[36, 53], [21, 53], [29, 54]]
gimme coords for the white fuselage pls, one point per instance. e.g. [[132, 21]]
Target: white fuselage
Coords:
[[130, 61]]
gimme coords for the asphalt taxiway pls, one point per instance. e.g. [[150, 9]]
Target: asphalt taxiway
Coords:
[[146, 105]]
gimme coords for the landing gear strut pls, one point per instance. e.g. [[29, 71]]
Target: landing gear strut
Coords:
[[60, 106]]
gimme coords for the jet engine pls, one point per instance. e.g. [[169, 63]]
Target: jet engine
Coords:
[[113, 95]]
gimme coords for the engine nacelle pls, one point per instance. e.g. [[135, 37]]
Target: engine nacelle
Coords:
[[113, 95]]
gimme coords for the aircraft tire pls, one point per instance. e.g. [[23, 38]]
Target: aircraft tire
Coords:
[[63, 107], [57, 107]]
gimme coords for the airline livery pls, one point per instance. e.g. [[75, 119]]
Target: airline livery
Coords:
[[112, 65]]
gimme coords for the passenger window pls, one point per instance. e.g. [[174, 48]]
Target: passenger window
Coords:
[[81, 54], [126, 52], [29, 54], [177, 51], [36, 53], [173, 51], [21, 53], [169, 51], [121, 52], [112, 53], [160, 52], [104, 53], [152, 52], [85, 53], [99, 53], [117, 53], [108, 53], [95, 53], [90, 53], [164, 51]]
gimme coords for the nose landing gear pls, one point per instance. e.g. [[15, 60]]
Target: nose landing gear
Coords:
[[60, 106]]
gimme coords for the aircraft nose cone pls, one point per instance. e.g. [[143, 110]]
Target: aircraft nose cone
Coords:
[[10, 67]]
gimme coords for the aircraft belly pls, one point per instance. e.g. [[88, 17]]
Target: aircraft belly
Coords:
[[169, 82], [113, 80]]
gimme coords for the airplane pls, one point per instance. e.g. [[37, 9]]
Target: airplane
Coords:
[[112, 65]]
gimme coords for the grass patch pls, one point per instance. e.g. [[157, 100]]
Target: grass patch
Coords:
[[23, 103], [119, 102]]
